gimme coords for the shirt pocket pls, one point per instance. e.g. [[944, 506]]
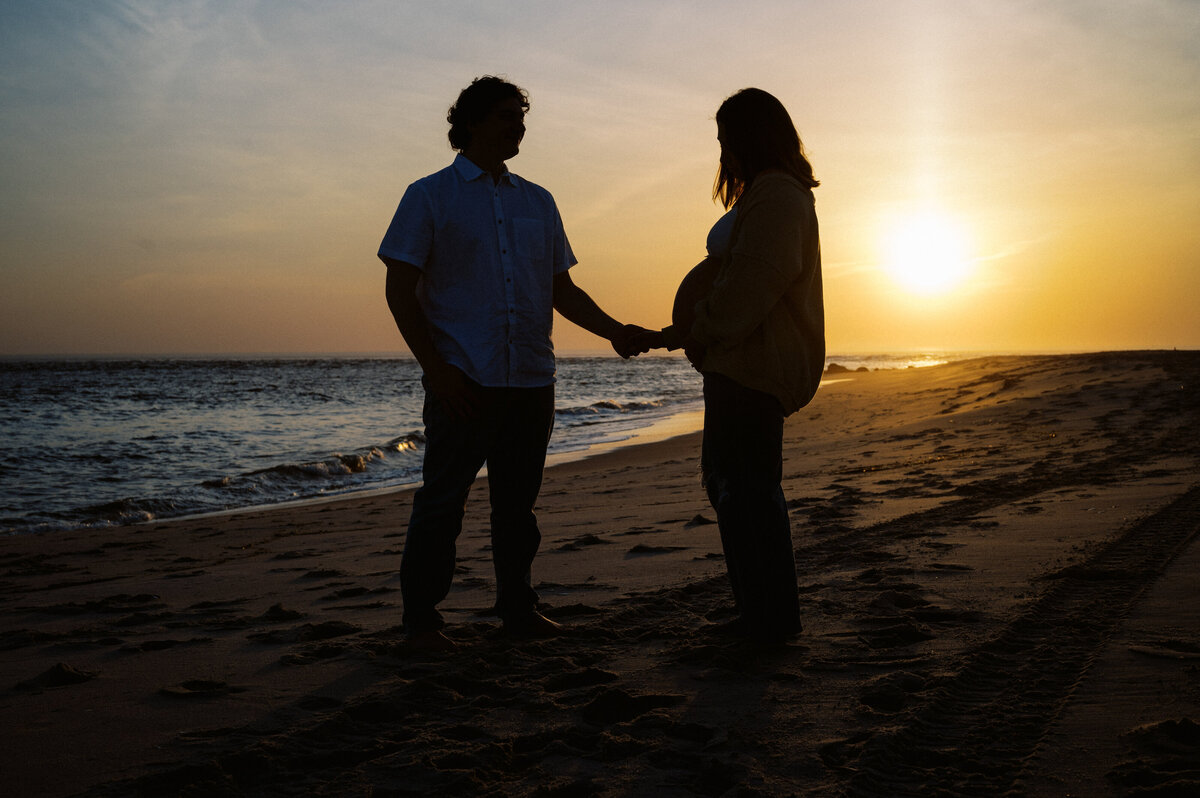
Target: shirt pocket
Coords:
[[529, 238]]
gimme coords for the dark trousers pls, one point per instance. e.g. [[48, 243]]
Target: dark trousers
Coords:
[[510, 433], [742, 466]]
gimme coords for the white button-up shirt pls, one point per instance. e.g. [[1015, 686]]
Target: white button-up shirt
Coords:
[[488, 253]]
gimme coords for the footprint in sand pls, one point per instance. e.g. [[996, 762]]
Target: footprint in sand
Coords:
[[311, 654], [896, 635], [228, 605], [326, 573], [618, 706], [162, 645], [200, 688], [61, 675], [121, 602], [356, 592], [579, 543], [642, 549], [890, 693], [307, 632], [14, 639], [587, 677], [642, 530], [1161, 759], [295, 555], [277, 614]]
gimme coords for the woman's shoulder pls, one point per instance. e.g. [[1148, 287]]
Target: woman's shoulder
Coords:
[[777, 180], [776, 187]]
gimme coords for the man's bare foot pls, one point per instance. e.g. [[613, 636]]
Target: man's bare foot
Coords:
[[533, 625], [433, 640]]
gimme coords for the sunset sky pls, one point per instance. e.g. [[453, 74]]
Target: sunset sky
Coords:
[[215, 177]]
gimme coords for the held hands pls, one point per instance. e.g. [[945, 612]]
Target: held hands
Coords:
[[633, 340]]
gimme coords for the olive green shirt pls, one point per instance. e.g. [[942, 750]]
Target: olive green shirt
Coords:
[[763, 322]]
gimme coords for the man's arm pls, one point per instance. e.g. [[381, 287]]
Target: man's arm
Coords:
[[445, 381], [576, 306]]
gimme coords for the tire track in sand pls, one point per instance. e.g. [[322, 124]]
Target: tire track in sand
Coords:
[[977, 733]]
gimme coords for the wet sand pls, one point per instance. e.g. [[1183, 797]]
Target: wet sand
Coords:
[[998, 576]]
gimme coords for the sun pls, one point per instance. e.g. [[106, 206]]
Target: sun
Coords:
[[926, 252]]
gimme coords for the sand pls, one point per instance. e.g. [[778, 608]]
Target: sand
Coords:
[[999, 583]]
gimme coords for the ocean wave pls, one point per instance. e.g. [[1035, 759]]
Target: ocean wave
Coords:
[[611, 406], [331, 472], [395, 462], [113, 513]]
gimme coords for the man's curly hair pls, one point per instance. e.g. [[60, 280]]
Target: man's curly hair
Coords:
[[475, 102]]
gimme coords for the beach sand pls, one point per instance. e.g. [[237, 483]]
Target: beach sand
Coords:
[[999, 581]]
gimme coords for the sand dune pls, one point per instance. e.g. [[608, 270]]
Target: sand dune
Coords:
[[997, 565]]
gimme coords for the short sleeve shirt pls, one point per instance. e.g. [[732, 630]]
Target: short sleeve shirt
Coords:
[[488, 253]]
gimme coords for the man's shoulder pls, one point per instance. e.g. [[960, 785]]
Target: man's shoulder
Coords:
[[532, 188], [436, 178], [433, 190]]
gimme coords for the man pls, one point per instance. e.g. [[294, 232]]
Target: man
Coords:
[[477, 261]]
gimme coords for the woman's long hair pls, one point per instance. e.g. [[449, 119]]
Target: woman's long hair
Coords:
[[759, 134]]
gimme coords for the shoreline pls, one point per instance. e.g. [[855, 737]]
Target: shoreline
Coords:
[[681, 422], [161, 486], [951, 528]]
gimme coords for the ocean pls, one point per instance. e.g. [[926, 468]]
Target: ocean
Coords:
[[94, 442]]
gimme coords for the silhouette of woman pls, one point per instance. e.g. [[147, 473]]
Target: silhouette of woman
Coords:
[[751, 319]]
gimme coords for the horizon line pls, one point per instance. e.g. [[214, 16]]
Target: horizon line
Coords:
[[406, 355]]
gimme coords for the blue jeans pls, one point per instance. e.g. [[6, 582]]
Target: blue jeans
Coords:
[[510, 433], [742, 466]]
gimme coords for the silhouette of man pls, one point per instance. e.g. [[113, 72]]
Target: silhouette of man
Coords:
[[477, 262]]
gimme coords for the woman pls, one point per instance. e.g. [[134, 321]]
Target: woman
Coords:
[[751, 319]]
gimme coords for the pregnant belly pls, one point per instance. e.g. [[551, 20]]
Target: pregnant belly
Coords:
[[695, 286]]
